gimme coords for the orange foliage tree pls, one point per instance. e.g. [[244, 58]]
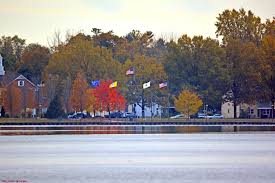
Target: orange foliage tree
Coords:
[[108, 99], [16, 101], [91, 100], [78, 98]]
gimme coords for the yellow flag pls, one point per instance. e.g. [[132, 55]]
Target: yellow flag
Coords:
[[113, 85]]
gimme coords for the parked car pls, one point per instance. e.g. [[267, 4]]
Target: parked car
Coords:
[[97, 116], [216, 116], [177, 116], [201, 115], [114, 115], [129, 115], [77, 115], [71, 115]]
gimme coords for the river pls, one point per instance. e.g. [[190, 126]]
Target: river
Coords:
[[140, 158]]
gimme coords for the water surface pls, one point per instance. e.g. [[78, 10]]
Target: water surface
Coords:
[[215, 157]]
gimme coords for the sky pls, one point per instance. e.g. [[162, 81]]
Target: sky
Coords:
[[37, 20]]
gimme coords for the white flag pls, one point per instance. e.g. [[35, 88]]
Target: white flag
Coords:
[[146, 85]]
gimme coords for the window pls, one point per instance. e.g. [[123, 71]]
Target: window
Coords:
[[21, 83], [251, 111], [265, 112]]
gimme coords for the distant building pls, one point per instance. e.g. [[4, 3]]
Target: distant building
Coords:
[[258, 110], [227, 110], [21, 97], [264, 110], [156, 110]]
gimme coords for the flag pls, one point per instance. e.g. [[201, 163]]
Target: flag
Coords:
[[162, 85], [95, 83], [146, 85], [113, 85], [130, 71]]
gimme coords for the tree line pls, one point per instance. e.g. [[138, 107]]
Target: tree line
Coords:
[[238, 68]]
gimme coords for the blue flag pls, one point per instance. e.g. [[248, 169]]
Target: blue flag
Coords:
[[95, 83]]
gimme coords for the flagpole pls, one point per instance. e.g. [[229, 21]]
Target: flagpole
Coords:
[[168, 96], [134, 94], [151, 106]]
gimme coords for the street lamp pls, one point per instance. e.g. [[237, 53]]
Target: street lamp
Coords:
[[39, 86], [205, 111], [272, 111]]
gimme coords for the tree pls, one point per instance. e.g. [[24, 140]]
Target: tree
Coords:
[[108, 99], [199, 64], [78, 98], [91, 100], [15, 101], [188, 103], [55, 109], [239, 25], [33, 61], [268, 68], [250, 77], [3, 112], [244, 61], [146, 69], [11, 49], [79, 55]]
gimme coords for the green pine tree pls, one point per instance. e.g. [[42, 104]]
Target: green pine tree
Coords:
[[55, 109], [3, 112]]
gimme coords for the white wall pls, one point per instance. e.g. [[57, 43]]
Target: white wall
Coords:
[[227, 110], [156, 109]]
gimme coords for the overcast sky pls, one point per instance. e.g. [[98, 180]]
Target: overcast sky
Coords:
[[37, 20]]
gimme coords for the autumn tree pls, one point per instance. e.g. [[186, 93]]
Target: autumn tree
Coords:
[[91, 100], [126, 47], [78, 98], [108, 99], [188, 103], [15, 101], [79, 55], [33, 61]]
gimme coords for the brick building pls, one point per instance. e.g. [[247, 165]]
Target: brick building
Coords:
[[21, 97]]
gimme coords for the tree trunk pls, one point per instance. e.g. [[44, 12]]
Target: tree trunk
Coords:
[[142, 109], [142, 105], [272, 107], [235, 109]]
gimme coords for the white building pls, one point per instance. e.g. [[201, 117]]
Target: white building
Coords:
[[156, 110], [227, 110]]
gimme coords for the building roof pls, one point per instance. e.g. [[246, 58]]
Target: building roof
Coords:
[[21, 77], [264, 105]]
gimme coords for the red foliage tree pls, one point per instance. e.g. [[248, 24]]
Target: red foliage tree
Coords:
[[108, 99], [78, 98]]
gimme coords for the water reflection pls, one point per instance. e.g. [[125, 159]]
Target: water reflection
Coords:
[[48, 130]]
